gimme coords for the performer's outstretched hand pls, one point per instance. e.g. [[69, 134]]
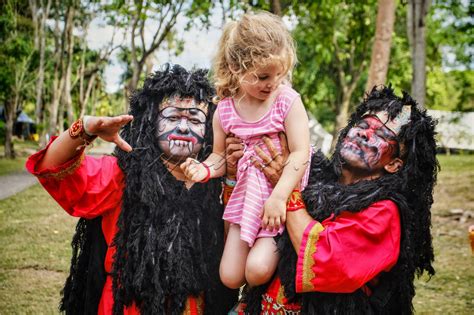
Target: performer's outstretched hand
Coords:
[[107, 128]]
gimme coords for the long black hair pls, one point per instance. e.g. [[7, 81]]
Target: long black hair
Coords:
[[411, 189], [169, 239]]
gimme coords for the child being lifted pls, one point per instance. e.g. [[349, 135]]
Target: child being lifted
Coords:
[[251, 72]]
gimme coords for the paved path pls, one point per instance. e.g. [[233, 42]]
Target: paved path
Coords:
[[16, 182]]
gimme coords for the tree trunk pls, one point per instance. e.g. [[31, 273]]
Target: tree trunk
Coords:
[[275, 7], [67, 101], [58, 77], [383, 40], [416, 20], [10, 113], [342, 116]]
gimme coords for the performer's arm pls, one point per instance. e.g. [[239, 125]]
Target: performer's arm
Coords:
[[84, 186], [341, 255], [65, 147]]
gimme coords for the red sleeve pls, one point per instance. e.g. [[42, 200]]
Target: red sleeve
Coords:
[[83, 186], [341, 255]]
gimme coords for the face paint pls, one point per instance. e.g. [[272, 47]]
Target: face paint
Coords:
[[369, 145], [181, 130]]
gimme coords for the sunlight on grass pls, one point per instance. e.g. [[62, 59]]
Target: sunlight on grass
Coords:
[[35, 235]]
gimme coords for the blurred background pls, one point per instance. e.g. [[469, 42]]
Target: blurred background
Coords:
[[60, 60]]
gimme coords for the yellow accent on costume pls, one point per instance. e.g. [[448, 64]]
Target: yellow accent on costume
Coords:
[[308, 260]]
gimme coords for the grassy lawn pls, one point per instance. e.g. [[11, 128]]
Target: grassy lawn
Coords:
[[35, 251], [22, 149]]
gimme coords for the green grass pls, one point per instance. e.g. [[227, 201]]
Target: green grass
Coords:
[[8, 166], [450, 291], [35, 235], [22, 150]]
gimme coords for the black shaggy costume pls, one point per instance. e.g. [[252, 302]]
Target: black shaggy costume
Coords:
[[170, 239], [411, 189]]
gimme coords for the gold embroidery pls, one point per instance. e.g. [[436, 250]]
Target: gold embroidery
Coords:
[[308, 260], [64, 172]]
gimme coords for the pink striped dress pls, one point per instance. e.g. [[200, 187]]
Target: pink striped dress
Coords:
[[252, 189]]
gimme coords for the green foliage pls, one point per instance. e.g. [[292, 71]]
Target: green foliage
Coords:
[[333, 40]]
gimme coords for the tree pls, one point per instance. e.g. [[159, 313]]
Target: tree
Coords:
[[380, 59], [40, 12], [416, 29], [15, 60], [333, 44]]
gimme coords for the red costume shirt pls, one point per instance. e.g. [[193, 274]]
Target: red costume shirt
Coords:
[[88, 187]]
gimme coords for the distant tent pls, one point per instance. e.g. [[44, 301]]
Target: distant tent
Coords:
[[23, 127], [455, 129]]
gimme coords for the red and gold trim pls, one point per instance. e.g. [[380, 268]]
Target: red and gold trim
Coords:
[[68, 170], [295, 201], [304, 271], [274, 301], [194, 305]]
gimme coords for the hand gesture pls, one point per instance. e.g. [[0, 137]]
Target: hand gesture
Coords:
[[194, 170], [274, 164], [107, 128], [234, 151], [274, 213]]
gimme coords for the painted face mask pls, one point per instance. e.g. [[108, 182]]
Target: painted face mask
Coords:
[[369, 145], [181, 128]]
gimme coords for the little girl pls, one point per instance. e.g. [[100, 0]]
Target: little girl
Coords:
[[255, 56]]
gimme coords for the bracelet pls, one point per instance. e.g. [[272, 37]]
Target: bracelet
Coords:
[[295, 201], [208, 176], [77, 131], [230, 182], [84, 122]]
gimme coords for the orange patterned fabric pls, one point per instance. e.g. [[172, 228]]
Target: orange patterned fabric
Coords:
[[295, 201]]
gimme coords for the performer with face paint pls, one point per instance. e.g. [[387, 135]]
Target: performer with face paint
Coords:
[[148, 241], [360, 231]]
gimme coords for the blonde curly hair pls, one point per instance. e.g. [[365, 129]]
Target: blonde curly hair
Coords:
[[257, 40]]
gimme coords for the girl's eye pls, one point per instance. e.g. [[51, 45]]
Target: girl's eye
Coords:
[[261, 78]]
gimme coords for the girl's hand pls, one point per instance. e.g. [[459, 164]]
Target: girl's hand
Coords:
[[194, 170], [107, 128], [274, 213]]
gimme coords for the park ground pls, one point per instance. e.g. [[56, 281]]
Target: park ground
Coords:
[[35, 250]]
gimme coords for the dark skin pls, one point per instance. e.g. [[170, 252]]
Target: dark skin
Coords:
[[272, 166]]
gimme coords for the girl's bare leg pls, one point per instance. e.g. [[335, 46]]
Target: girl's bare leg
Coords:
[[232, 268], [262, 261]]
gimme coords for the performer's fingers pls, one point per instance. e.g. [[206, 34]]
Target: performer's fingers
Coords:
[[265, 158], [231, 139], [256, 163], [283, 218], [122, 144], [271, 147]]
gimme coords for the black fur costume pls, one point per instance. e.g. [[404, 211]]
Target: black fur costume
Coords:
[[411, 189], [170, 239]]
